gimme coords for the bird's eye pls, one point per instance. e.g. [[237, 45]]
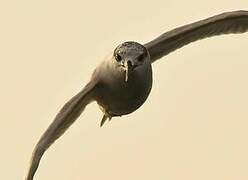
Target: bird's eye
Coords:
[[118, 57]]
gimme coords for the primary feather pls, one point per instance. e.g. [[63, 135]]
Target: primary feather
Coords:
[[225, 23]]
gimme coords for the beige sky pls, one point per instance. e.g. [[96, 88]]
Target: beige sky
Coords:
[[193, 126]]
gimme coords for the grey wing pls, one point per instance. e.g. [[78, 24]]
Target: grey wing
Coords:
[[225, 23], [66, 116]]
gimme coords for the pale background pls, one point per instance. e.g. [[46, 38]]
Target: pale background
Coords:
[[193, 126]]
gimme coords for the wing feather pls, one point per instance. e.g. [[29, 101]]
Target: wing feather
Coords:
[[225, 23], [66, 116]]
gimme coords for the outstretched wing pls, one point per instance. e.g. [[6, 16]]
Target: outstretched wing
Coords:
[[66, 116], [225, 23]]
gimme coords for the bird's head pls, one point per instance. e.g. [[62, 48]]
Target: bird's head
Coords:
[[131, 56]]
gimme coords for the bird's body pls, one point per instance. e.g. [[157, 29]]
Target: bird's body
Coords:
[[117, 97], [122, 82]]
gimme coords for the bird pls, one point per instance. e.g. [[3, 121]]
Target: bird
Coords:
[[121, 83]]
